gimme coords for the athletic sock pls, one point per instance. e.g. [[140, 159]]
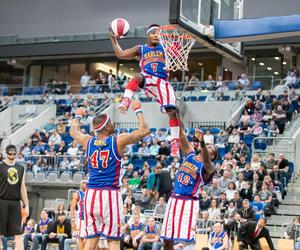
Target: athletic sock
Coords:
[[132, 86], [174, 125]]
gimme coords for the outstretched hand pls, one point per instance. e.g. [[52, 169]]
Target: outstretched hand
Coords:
[[199, 134], [111, 33]]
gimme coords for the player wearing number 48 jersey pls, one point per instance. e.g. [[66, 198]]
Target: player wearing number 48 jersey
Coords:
[[153, 79], [103, 202], [183, 206]]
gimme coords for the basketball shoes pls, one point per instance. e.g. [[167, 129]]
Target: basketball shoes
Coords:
[[175, 151], [124, 105]]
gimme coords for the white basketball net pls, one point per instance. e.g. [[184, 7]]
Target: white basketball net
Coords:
[[176, 46]]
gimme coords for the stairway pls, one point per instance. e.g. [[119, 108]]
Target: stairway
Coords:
[[287, 210]]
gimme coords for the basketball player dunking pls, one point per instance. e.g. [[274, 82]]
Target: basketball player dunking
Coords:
[[182, 208], [103, 202], [153, 79]]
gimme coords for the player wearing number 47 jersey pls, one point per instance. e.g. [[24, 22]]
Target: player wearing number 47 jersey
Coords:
[[182, 208], [153, 79], [103, 202]]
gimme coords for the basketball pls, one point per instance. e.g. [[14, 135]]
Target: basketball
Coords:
[[119, 27]]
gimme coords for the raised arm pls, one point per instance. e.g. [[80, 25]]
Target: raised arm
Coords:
[[77, 135], [208, 166], [183, 141], [137, 135], [131, 53]]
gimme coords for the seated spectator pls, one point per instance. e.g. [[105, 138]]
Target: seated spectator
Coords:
[[223, 203], [208, 137], [231, 127], [255, 162], [64, 164], [57, 232], [237, 201], [145, 199], [129, 172], [214, 211], [204, 225], [282, 162], [256, 116], [224, 180], [257, 130], [221, 85], [160, 136], [234, 138], [75, 164], [294, 99], [163, 150], [214, 190], [266, 197], [160, 208], [134, 182], [272, 129], [246, 212], [280, 118], [129, 200], [38, 149], [153, 182], [231, 210], [231, 190], [205, 202], [55, 138], [270, 161], [248, 172], [246, 191], [130, 240], [244, 150], [150, 237], [258, 207], [212, 97], [233, 225], [293, 232], [290, 80], [173, 168], [137, 210], [61, 127], [143, 151], [244, 82], [256, 184], [277, 178], [245, 117], [154, 148], [268, 116], [218, 238], [240, 181], [144, 178], [244, 128], [193, 83], [61, 149], [28, 232], [262, 172], [241, 162], [50, 126]]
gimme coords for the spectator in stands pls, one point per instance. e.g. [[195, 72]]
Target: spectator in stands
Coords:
[[223, 203], [244, 82], [256, 184], [280, 118], [256, 116], [150, 237], [272, 129], [294, 99], [221, 85], [257, 129], [163, 150], [231, 210], [212, 97], [173, 170], [270, 161], [154, 148], [234, 137], [290, 80], [192, 84], [145, 199], [134, 182], [38, 149], [224, 180], [214, 211], [248, 172], [160, 207], [268, 116], [143, 151], [277, 178], [205, 201], [246, 212], [241, 162], [266, 197], [64, 165], [57, 231], [231, 127], [255, 162], [293, 232], [209, 83], [129, 172], [84, 82], [245, 117], [61, 149], [130, 240], [214, 190], [165, 185], [50, 126], [240, 181], [237, 201], [75, 164], [262, 172], [55, 138], [208, 137], [244, 128], [129, 200], [153, 182], [231, 190], [250, 106], [204, 225], [258, 207], [73, 150], [61, 127], [28, 232], [144, 178], [137, 210], [218, 238], [282, 162], [160, 136]]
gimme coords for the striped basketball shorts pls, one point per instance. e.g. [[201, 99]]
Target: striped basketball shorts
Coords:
[[161, 90], [80, 228], [180, 219], [103, 213]]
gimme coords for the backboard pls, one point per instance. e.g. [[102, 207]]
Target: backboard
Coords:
[[197, 18]]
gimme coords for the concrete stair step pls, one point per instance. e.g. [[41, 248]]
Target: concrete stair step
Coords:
[[293, 212], [289, 207]]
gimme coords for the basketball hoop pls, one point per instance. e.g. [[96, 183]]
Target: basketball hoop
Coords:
[[176, 46]]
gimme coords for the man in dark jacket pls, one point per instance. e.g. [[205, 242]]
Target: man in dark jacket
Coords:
[[57, 231], [246, 212], [250, 233], [165, 184]]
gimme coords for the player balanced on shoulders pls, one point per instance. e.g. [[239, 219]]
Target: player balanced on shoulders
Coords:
[[183, 207], [153, 79], [103, 209]]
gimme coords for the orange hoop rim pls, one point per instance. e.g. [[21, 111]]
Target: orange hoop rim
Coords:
[[173, 28]]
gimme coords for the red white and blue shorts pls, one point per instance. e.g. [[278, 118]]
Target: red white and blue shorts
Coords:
[[103, 213], [180, 219], [161, 90], [80, 228]]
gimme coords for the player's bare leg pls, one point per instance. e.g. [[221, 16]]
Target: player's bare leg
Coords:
[[113, 244], [131, 87], [168, 245], [174, 124], [80, 243], [19, 242], [91, 244]]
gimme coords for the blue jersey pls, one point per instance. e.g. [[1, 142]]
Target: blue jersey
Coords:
[[104, 163], [189, 177], [217, 239], [80, 204], [153, 61]]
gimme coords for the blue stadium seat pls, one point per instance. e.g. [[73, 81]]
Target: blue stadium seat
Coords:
[[260, 145], [180, 86], [292, 167], [221, 152], [193, 98], [153, 130], [250, 97], [226, 98], [135, 148], [86, 128], [232, 85], [165, 130], [203, 130], [132, 129], [202, 98], [256, 85], [184, 99], [137, 164], [116, 131], [248, 139], [151, 163], [192, 131], [215, 130]]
